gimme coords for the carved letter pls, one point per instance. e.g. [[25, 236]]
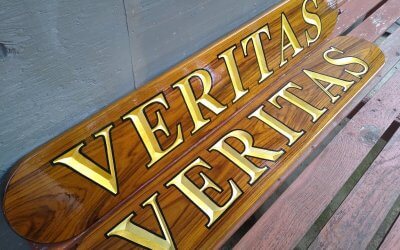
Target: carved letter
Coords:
[[285, 94], [233, 71], [131, 232], [86, 167], [316, 77], [293, 42], [147, 133], [256, 39], [206, 99], [312, 19], [249, 150], [197, 195], [290, 134], [345, 61]]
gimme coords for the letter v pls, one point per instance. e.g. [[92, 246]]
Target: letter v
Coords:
[[74, 159], [131, 232]]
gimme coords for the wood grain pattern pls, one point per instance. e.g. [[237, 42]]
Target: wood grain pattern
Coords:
[[186, 222], [306, 198], [58, 196], [358, 218]]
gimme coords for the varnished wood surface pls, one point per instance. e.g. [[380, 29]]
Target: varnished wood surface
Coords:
[[186, 222], [52, 204], [306, 198]]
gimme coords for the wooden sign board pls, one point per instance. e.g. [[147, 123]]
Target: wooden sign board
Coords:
[[178, 163]]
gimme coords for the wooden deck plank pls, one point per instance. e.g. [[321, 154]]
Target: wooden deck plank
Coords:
[[392, 239], [306, 190], [358, 218], [351, 12], [379, 21]]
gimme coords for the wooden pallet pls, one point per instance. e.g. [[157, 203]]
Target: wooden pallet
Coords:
[[347, 197]]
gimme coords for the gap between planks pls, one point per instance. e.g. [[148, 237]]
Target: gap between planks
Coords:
[[348, 186], [390, 61], [354, 224], [392, 240], [311, 192]]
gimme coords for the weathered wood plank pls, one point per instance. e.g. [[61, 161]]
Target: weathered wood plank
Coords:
[[390, 48], [392, 239], [351, 11], [302, 203], [379, 21], [358, 218], [56, 189]]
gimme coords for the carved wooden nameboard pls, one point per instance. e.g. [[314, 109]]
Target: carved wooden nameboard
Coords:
[[177, 163]]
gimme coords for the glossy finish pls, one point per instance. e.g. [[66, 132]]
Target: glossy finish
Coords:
[[46, 202], [188, 223]]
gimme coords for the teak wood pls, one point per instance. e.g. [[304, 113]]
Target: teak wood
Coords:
[[49, 202], [187, 223]]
